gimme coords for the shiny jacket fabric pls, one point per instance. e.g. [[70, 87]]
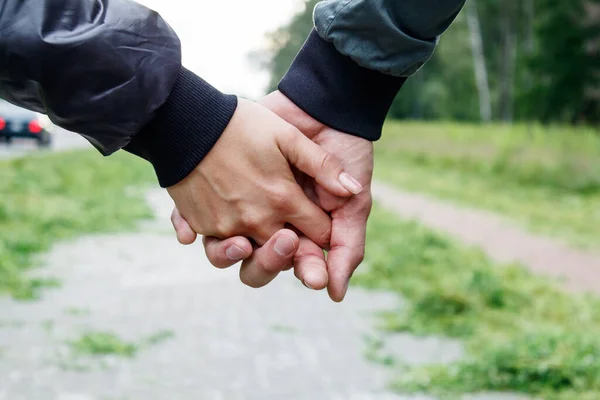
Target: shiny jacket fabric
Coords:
[[395, 37], [111, 71], [100, 68]]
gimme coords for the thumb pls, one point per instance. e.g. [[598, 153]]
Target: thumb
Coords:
[[311, 159]]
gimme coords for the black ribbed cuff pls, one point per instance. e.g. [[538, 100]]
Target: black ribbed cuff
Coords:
[[184, 129], [337, 92]]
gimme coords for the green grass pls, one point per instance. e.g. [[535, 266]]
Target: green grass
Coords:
[[548, 179], [54, 197], [103, 344], [522, 332], [108, 343]]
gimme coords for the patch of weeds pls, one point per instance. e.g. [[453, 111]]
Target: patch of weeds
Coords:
[[110, 344], [373, 350], [551, 364], [55, 197], [31, 288], [522, 332], [103, 344]]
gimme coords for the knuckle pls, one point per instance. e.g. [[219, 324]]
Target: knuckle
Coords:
[[287, 137], [326, 161], [222, 229], [280, 197], [366, 206], [325, 235], [251, 222], [359, 257], [329, 162]]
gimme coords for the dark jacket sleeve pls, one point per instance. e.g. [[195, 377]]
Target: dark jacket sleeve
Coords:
[[111, 71], [359, 55]]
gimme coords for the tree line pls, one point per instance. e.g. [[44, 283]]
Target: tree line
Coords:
[[502, 60]]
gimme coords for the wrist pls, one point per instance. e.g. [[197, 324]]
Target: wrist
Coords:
[[292, 114], [184, 129], [336, 91]]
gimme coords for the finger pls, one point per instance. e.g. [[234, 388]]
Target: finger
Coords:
[[225, 253], [268, 261], [309, 219], [347, 251], [311, 159], [185, 234], [309, 265]]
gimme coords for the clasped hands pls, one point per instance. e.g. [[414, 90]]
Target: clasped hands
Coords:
[[275, 191]]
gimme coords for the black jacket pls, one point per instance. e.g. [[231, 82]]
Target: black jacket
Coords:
[[111, 71]]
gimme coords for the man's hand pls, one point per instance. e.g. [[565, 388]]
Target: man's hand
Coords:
[[245, 187], [349, 215]]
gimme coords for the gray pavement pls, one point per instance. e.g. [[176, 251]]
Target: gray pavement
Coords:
[[230, 342]]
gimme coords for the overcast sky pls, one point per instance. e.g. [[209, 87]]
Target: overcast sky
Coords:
[[217, 36]]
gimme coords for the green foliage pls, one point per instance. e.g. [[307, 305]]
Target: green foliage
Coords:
[[523, 333], [445, 87], [285, 43], [546, 178], [564, 64], [108, 343], [102, 344], [54, 197], [556, 365]]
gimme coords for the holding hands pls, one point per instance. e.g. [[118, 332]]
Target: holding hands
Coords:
[[332, 175]]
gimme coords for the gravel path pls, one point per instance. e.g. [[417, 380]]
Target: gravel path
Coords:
[[229, 342], [498, 237]]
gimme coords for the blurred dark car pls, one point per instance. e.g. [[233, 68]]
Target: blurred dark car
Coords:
[[17, 122]]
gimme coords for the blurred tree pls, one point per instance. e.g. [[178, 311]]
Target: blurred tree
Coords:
[[565, 63], [501, 59], [285, 43], [479, 64]]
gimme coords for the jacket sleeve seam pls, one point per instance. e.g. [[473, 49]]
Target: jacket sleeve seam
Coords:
[[335, 16]]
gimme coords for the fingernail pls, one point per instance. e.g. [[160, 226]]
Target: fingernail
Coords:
[[307, 285], [234, 253], [284, 246], [349, 183]]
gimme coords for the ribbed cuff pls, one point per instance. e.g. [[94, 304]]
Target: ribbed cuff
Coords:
[[337, 92], [184, 129]]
